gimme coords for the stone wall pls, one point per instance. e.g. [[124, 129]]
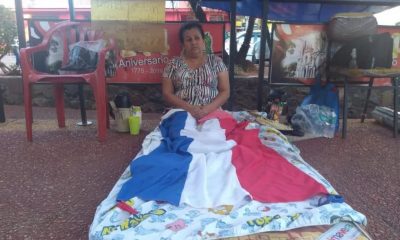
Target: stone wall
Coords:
[[150, 99]]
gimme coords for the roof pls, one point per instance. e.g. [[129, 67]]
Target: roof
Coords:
[[302, 11]]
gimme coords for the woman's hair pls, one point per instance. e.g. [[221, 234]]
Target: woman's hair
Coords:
[[188, 26]]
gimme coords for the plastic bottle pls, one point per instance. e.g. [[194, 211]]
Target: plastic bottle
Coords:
[[134, 125], [135, 120]]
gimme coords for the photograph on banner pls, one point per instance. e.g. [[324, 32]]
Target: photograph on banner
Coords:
[[46, 61], [299, 51]]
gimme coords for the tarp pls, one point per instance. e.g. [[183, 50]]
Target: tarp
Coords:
[[302, 12]]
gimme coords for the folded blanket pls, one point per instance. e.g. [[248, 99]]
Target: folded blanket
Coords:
[[213, 163]]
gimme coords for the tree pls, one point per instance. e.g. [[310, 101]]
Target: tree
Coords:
[[8, 32], [241, 55], [198, 11], [244, 48]]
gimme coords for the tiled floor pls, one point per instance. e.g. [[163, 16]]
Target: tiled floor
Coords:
[[50, 188]]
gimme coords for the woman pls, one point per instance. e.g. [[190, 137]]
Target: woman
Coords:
[[195, 81]]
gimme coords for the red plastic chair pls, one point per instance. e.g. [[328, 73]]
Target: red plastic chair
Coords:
[[70, 32]]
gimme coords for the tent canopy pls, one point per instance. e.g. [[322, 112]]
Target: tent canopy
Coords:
[[302, 11]]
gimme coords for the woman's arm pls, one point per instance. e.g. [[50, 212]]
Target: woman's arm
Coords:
[[223, 94]]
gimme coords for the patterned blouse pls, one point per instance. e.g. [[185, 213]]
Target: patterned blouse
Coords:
[[195, 86]]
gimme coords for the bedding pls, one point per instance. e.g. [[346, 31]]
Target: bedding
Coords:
[[223, 176]]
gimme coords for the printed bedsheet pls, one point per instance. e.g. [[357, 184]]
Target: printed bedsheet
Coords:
[[161, 220]]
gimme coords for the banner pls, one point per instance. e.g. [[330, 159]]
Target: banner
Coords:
[[131, 66], [147, 67], [145, 44]]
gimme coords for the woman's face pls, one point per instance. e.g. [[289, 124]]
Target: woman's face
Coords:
[[193, 43]]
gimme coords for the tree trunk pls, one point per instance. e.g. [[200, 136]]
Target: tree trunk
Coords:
[[4, 68], [198, 11], [241, 55]]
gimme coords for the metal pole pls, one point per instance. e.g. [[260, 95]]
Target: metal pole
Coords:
[[71, 10], [271, 46], [84, 121], [261, 64], [232, 53], [345, 107], [364, 113], [19, 15], [395, 107], [2, 115]]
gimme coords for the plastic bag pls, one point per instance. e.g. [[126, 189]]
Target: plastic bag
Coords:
[[326, 95], [83, 55], [316, 120]]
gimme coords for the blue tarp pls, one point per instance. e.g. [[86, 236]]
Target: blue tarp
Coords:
[[312, 12]]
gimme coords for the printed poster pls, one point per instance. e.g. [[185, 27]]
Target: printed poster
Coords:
[[299, 51]]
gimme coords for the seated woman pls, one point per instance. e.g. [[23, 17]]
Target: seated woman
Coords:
[[195, 81]]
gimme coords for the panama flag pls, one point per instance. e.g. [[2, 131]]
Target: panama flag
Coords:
[[214, 162]]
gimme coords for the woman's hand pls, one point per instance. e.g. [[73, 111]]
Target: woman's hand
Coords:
[[197, 112]]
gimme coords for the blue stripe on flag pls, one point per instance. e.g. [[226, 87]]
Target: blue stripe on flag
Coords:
[[161, 175]]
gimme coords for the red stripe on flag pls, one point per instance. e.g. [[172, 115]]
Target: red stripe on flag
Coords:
[[265, 174]]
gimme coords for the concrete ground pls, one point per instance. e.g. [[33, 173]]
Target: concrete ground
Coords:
[[50, 188]]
